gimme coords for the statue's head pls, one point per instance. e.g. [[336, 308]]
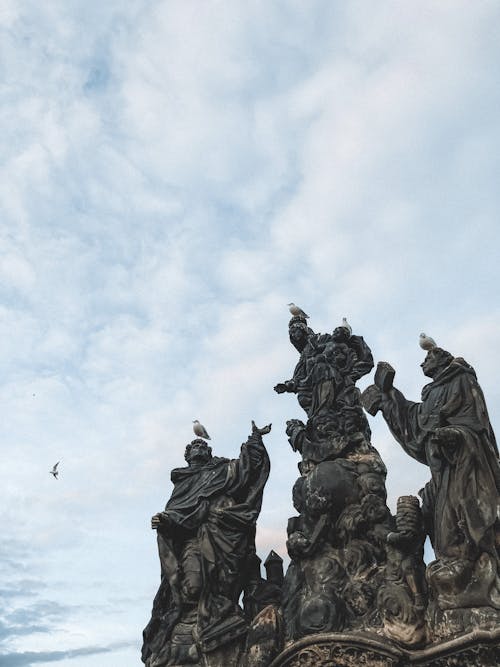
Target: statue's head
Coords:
[[297, 330], [435, 361], [341, 334], [198, 452]]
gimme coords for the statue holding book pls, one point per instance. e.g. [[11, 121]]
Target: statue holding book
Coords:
[[449, 431]]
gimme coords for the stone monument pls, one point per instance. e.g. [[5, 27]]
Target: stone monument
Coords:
[[206, 545], [450, 431], [357, 590], [353, 565]]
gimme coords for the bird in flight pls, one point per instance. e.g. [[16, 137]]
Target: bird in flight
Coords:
[[200, 430], [296, 311], [54, 470], [426, 342]]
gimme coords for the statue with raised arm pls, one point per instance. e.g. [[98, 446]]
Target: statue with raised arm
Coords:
[[449, 431], [206, 544], [337, 541]]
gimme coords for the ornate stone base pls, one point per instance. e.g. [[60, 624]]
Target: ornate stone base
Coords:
[[480, 648]]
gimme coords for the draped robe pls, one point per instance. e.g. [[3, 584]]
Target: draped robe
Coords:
[[461, 502], [214, 508]]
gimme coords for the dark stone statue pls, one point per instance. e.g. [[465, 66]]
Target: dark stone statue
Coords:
[[449, 431], [338, 542], [402, 597], [206, 544], [356, 591]]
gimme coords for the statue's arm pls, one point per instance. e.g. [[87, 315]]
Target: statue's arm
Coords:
[[401, 415], [287, 386], [364, 362]]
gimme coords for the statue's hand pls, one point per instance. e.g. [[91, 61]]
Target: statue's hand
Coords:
[[282, 387], [260, 431], [159, 520], [293, 426]]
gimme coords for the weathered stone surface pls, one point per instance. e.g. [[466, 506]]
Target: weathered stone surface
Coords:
[[340, 650], [265, 635], [476, 649]]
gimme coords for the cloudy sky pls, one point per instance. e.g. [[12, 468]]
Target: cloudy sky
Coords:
[[174, 173]]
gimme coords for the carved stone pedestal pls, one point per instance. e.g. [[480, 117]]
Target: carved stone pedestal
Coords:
[[480, 648]]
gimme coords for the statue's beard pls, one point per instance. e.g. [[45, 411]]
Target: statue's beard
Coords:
[[199, 459]]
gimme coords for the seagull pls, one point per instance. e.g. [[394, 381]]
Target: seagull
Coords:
[[200, 430], [54, 470], [346, 325], [296, 311], [426, 342]]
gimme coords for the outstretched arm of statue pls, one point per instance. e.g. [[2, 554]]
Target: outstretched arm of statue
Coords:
[[296, 432], [255, 445]]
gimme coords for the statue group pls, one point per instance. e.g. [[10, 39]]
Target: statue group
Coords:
[[356, 570]]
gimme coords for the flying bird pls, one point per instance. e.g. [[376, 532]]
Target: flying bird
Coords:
[[296, 311], [346, 325], [54, 470], [200, 430], [426, 342]]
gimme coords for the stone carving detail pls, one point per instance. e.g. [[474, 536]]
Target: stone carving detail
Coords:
[[356, 592], [361, 650], [401, 599], [477, 656], [338, 541], [449, 430], [206, 542], [339, 655]]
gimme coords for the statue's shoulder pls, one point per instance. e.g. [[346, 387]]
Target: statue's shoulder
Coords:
[[178, 474], [464, 366], [459, 368]]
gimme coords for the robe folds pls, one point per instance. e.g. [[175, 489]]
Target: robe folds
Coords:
[[461, 502], [210, 527]]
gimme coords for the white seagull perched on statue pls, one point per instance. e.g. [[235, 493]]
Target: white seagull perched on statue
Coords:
[[426, 342], [346, 325], [200, 430], [54, 470], [296, 311]]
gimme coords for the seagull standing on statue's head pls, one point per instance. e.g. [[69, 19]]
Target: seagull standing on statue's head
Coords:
[[200, 430], [426, 342], [296, 311], [346, 325]]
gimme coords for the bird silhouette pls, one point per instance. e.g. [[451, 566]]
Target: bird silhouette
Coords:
[[54, 470], [296, 311], [200, 430], [426, 342]]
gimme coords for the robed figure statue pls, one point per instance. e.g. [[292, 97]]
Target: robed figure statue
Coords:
[[206, 540], [450, 431]]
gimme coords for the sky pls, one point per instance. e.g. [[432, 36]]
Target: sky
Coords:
[[173, 173]]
